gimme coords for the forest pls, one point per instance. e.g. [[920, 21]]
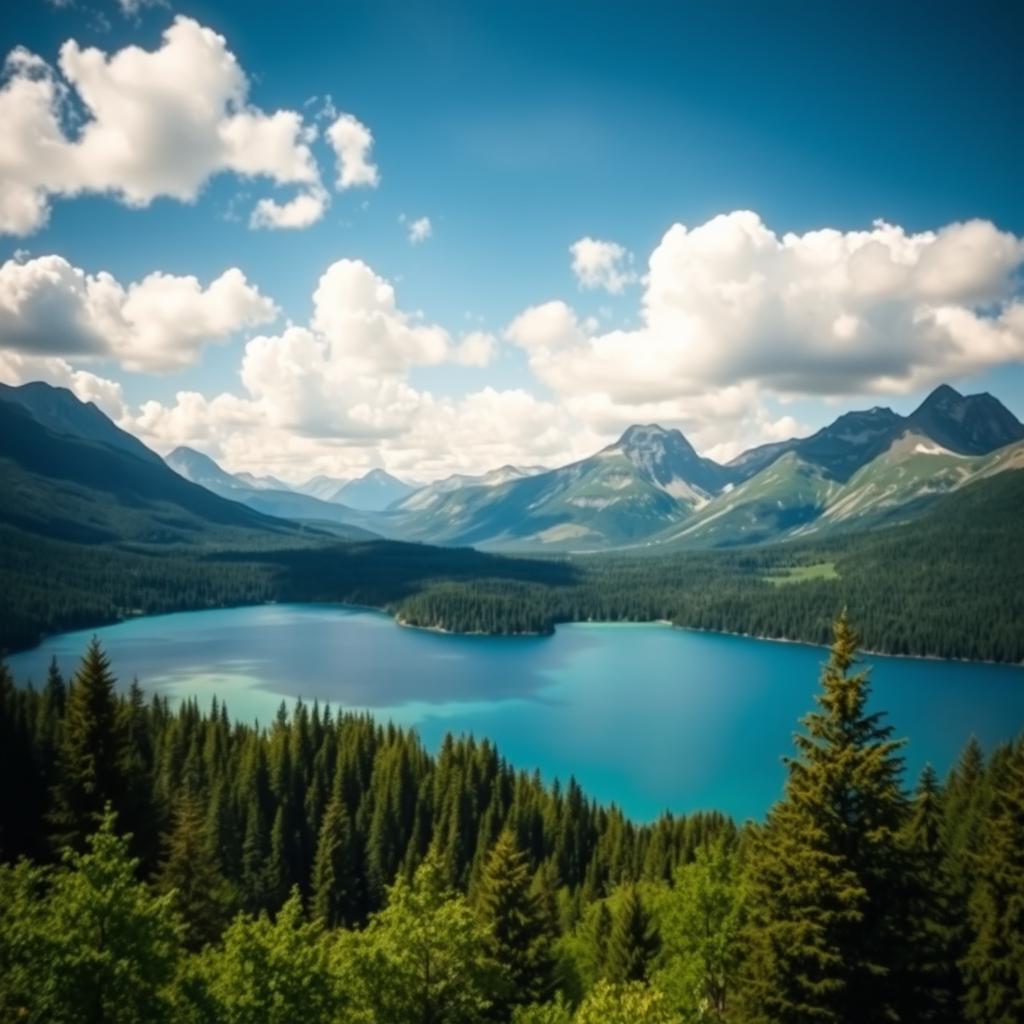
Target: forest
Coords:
[[945, 585], [170, 864]]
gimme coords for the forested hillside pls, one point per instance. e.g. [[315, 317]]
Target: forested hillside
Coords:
[[947, 585], [168, 865]]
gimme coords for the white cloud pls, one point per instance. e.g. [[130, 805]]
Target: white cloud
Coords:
[[49, 307], [598, 264], [302, 211], [352, 141], [333, 396], [157, 123], [547, 328], [419, 230], [18, 368], [477, 348], [731, 303]]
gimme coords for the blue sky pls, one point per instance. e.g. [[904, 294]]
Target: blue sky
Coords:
[[519, 129]]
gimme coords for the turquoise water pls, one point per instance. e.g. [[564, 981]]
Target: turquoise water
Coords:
[[647, 716]]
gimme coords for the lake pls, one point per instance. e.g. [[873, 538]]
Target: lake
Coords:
[[647, 716]]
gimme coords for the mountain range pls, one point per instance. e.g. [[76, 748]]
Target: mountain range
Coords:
[[649, 490]]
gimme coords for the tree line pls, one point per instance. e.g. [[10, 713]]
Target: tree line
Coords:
[[169, 864], [946, 585]]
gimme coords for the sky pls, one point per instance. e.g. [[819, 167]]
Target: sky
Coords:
[[324, 237]]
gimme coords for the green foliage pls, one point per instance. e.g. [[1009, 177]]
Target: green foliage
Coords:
[[631, 1003], [423, 959], [634, 941], [88, 943], [826, 875], [995, 961], [264, 972], [517, 925], [701, 921], [91, 752], [191, 874], [335, 900]]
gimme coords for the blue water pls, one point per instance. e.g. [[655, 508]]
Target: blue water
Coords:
[[647, 716]]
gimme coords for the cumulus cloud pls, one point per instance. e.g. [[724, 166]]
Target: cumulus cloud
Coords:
[[50, 308], [477, 348], [599, 264], [418, 230], [156, 123], [731, 303], [352, 141], [334, 395]]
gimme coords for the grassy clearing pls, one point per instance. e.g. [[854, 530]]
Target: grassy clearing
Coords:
[[803, 573]]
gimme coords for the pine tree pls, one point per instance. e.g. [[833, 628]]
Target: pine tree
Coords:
[[335, 897], [279, 874], [89, 765], [190, 871], [994, 966], [517, 925], [933, 983], [634, 941], [255, 854], [827, 870]]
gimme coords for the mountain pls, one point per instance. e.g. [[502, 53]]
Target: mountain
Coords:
[[913, 472], [429, 495], [787, 493], [78, 488], [322, 487], [374, 492], [792, 497], [284, 504], [202, 470], [59, 410], [968, 424], [649, 478], [262, 483], [838, 450]]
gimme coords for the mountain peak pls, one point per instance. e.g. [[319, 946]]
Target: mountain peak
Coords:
[[943, 393], [651, 437], [966, 424], [62, 411], [665, 458]]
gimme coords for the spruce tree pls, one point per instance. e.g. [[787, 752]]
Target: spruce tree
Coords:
[[190, 871], [994, 966], [933, 985], [634, 941], [90, 757], [517, 926], [827, 871], [335, 898]]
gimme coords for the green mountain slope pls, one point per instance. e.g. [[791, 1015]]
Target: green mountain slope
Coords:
[[79, 489], [59, 410], [628, 491], [913, 472], [787, 494]]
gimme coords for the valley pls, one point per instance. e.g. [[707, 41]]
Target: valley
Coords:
[[96, 528]]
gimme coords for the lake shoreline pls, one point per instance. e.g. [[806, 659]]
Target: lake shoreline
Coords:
[[444, 631]]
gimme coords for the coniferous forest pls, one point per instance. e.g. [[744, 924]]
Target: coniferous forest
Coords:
[[946, 585], [169, 864]]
